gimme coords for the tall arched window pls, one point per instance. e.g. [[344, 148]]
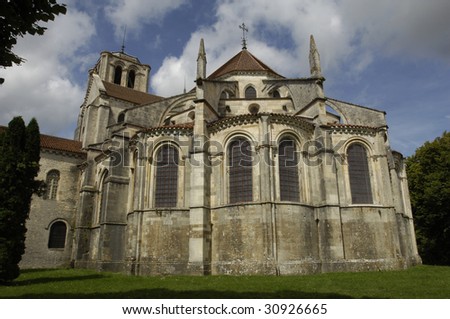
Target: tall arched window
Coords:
[[359, 175], [118, 74], [288, 170], [166, 176], [131, 78], [57, 236], [52, 184], [240, 171], [250, 93]]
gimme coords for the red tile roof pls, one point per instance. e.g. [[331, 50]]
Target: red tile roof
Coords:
[[243, 61], [130, 95], [61, 144]]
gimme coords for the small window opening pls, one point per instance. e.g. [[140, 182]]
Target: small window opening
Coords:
[[57, 237], [52, 184], [121, 118], [250, 93], [131, 78]]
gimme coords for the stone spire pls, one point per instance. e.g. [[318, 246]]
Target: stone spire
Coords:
[[201, 61], [314, 59]]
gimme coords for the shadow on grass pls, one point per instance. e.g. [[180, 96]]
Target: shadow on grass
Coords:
[[44, 280], [161, 293]]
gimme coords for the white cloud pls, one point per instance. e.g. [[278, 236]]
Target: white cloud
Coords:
[[349, 33], [44, 86], [135, 13]]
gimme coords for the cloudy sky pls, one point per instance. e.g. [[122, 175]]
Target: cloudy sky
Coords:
[[389, 55]]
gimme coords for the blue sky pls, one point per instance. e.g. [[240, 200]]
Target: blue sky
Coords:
[[389, 55]]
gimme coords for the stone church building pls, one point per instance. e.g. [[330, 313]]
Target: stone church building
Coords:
[[250, 172]]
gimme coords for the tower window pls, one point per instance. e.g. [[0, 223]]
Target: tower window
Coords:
[[240, 171], [57, 237], [358, 170], [118, 74], [287, 161], [52, 184], [166, 177], [131, 78], [250, 93]]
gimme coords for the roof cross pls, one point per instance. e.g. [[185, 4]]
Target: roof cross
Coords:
[[244, 37], [122, 49]]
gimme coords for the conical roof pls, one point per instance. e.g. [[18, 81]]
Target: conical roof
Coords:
[[244, 61]]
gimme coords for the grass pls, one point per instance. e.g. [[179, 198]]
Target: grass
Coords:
[[417, 282]]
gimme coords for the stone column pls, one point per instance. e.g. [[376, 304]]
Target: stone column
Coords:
[[328, 214], [200, 219]]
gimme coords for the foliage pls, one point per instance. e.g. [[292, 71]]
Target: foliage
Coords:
[[19, 165], [428, 172], [20, 17], [416, 282]]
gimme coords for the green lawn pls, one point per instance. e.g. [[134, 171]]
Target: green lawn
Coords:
[[417, 282]]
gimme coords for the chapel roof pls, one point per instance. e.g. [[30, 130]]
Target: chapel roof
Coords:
[[61, 144], [130, 95], [244, 61]]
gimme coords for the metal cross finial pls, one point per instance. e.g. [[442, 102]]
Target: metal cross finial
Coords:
[[244, 37], [123, 40]]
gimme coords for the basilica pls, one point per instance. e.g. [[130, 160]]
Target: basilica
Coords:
[[250, 172]]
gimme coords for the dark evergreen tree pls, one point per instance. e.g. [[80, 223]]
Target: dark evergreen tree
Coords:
[[19, 165], [428, 172]]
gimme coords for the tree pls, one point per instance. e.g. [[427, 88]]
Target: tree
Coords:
[[19, 165], [428, 172], [20, 17]]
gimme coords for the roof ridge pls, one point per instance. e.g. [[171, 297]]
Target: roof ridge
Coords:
[[238, 63]]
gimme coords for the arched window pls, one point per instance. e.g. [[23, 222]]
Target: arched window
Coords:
[[250, 93], [358, 170], [121, 118], [240, 171], [57, 237], [130, 79], [288, 171], [52, 184], [118, 74], [166, 176], [276, 94]]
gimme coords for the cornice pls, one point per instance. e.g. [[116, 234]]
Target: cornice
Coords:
[[245, 119], [354, 129]]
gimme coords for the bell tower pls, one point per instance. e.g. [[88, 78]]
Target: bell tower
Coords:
[[124, 70]]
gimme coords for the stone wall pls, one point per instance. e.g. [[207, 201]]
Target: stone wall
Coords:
[[44, 212]]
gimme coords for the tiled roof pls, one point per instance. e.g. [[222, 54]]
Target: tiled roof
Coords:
[[243, 61], [130, 95], [61, 144], [57, 143]]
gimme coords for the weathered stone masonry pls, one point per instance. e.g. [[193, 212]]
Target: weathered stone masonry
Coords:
[[220, 158]]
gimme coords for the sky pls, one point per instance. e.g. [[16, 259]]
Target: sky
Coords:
[[388, 55]]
